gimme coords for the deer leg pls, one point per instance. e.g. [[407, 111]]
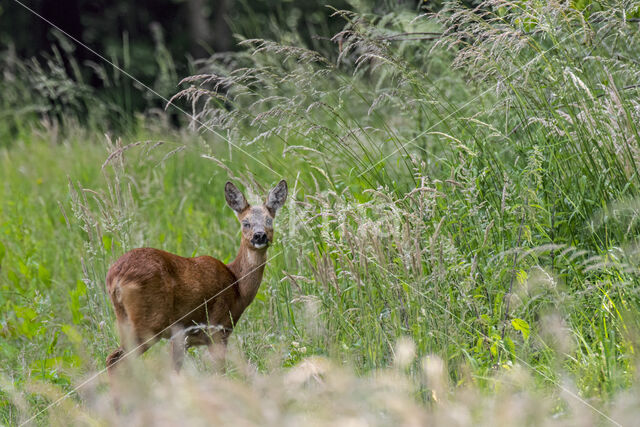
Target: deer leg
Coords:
[[178, 350], [114, 359], [218, 349]]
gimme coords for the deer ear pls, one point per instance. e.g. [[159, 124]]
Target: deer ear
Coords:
[[235, 198], [276, 197]]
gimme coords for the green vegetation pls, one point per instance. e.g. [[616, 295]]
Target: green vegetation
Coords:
[[460, 239]]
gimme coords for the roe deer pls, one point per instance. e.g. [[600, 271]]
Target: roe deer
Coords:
[[155, 293]]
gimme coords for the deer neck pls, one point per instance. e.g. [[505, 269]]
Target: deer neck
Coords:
[[248, 268]]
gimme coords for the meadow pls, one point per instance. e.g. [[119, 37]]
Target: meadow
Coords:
[[459, 246]]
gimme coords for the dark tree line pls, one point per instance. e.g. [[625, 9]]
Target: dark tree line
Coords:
[[191, 28], [131, 32]]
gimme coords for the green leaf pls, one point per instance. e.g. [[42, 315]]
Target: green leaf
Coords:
[[44, 275], [106, 242], [24, 270], [13, 277], [494, 349], [478, 347], [75, 305], [510, 346], [522, 326], [522, 277], [28, 324]]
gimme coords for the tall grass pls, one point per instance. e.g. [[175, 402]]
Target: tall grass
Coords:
[[491, 193], [464, 188]]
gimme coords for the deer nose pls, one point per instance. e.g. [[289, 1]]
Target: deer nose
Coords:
[[259, 237]]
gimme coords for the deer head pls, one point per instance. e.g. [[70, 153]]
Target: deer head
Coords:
[[256, 221]]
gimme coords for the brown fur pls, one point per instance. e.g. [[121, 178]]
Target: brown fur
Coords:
[[154, 293]]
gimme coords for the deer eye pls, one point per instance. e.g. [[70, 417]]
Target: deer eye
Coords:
[[245, 224], [269, 222]]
